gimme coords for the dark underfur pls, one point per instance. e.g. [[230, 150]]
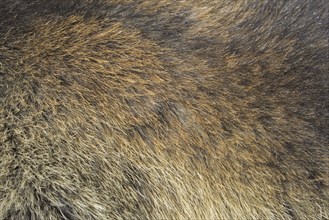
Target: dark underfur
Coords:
[[164, 109]]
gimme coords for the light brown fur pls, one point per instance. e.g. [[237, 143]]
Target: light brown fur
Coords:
[[164, 110]]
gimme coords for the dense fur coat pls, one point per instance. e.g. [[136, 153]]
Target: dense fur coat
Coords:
[[163, 109]]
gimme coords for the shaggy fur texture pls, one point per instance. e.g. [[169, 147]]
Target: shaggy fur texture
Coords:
[[163, 109]]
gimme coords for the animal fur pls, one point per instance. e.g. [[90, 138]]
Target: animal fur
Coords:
[[163, 109]]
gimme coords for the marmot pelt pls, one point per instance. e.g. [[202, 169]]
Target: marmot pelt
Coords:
[[163, 109]]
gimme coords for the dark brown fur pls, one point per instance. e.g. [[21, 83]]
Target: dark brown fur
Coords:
[[164, 109]]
